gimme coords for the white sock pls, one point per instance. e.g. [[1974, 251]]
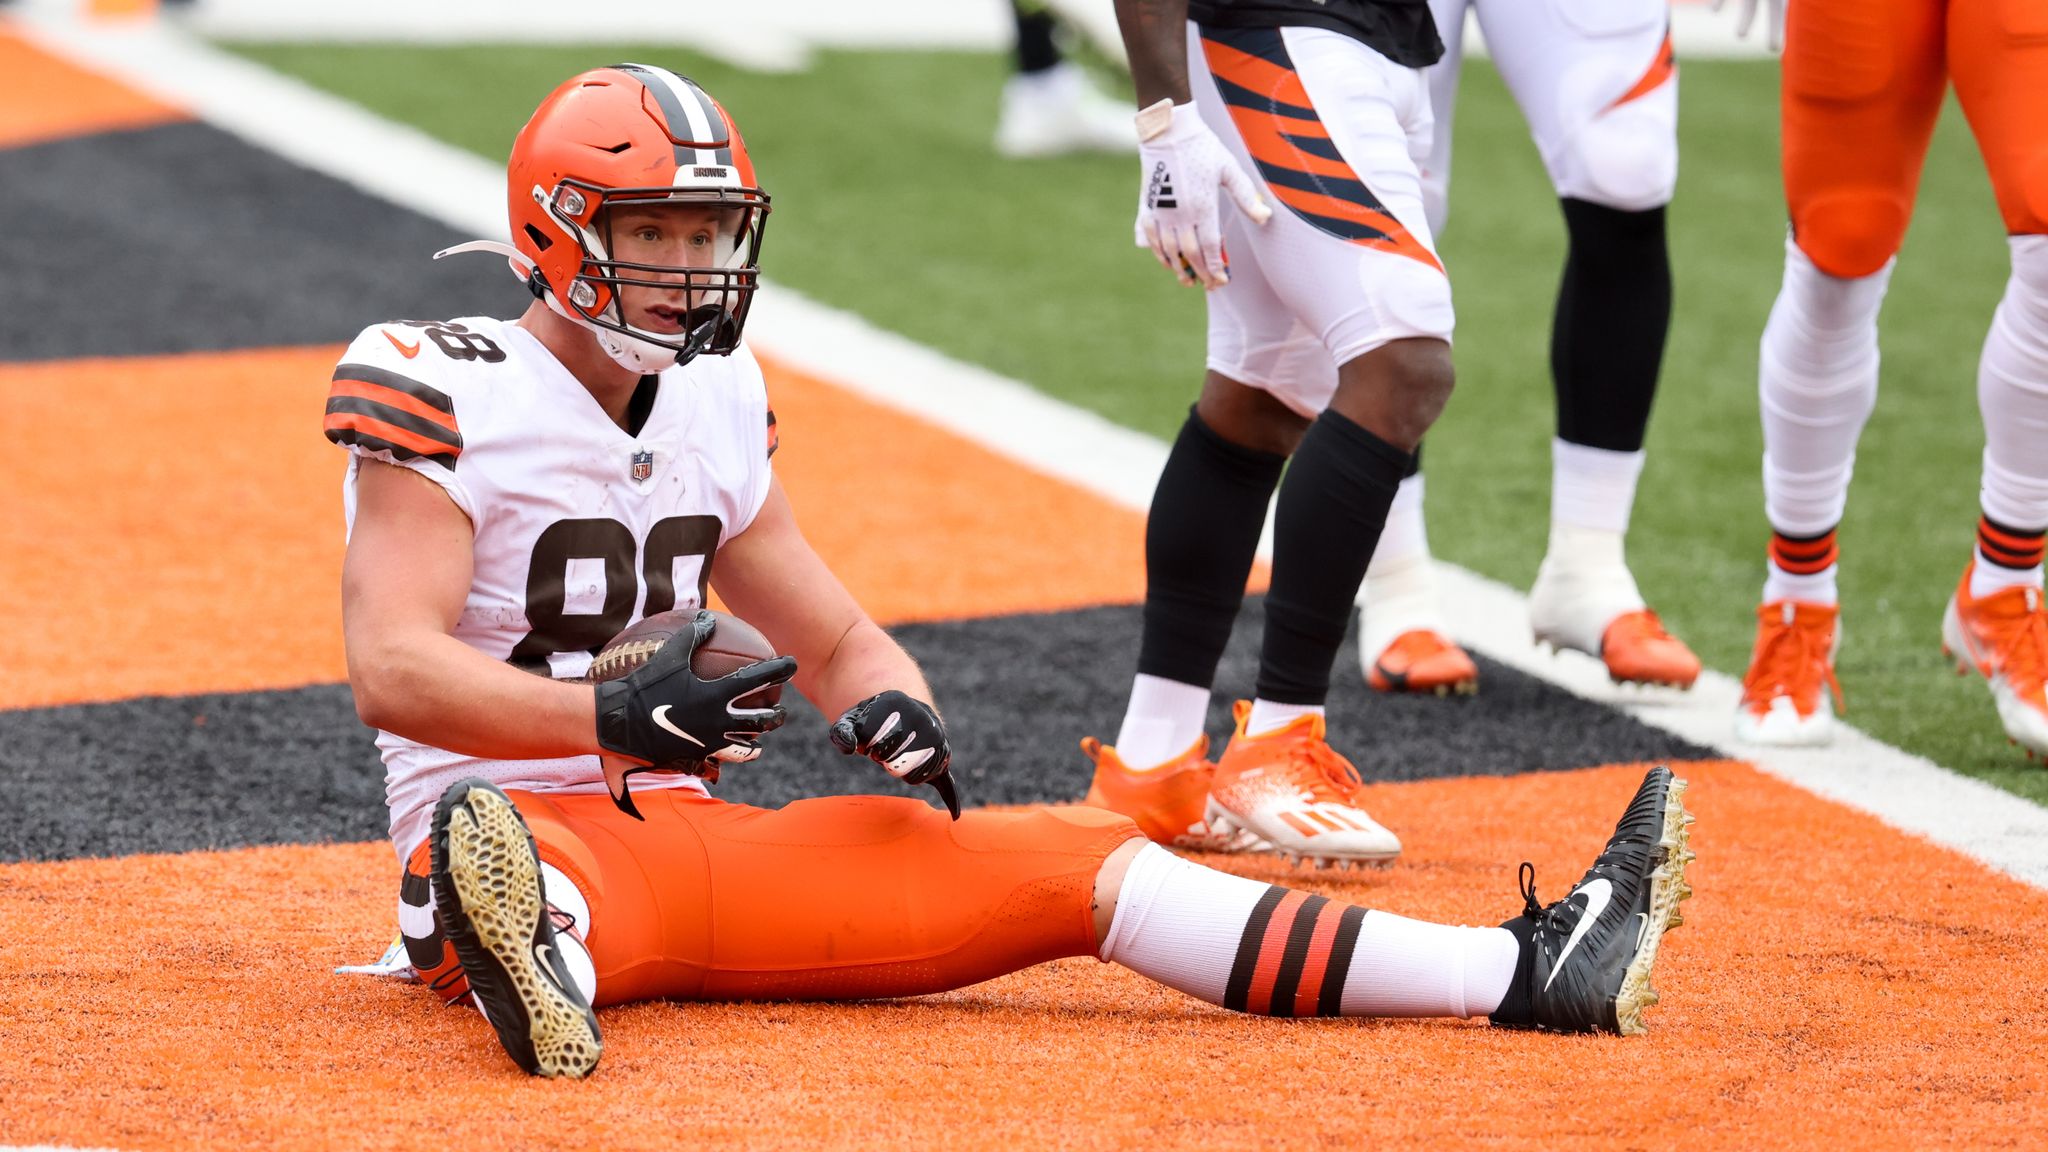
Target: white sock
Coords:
[[1592, 487], [1817, 381], [1405, 536], [1267, 715], [1818, 588], [1163, 720], [2012, 393], [1217, 937]]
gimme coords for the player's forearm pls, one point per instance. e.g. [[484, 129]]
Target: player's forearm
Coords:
[[437, 690], [865, 662], [1156, 40]]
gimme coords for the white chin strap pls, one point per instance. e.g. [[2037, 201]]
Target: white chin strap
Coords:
[[630, 352]]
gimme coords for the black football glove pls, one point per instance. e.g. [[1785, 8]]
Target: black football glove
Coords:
[[905, 736], [662, 717]]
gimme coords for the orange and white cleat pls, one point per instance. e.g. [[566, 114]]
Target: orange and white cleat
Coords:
[[1291, 789], [2004, 638], [1590, 604], [1169, 802], [1423, 660], [1790, 695]]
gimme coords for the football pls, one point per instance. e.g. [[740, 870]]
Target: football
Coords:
[[732, 645]]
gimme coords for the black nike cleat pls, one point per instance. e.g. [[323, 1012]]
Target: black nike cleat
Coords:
[[1586, 959], [493, 910]]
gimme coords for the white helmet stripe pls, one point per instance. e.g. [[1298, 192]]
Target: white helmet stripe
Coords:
[[695, 108]]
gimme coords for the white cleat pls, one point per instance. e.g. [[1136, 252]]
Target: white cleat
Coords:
[[2004, 638], [1057, 111], [1291, 789]]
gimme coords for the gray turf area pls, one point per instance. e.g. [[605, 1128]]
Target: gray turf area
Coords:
[[106, 258], [173, 774]]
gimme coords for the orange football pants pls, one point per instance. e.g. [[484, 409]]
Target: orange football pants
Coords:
[[1863, 82], [837, 898]]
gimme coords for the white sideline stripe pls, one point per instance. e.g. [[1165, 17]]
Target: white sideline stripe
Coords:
[[1907, 792]]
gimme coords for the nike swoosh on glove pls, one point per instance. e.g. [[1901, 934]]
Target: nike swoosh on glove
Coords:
[[905, 736], [1184, 163], [661, 717]]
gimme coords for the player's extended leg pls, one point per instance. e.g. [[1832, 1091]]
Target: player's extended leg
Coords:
[[1581, 964], [1335, 132], [1862, 86], [1048, 106], [1598, 87], [1996, 622]]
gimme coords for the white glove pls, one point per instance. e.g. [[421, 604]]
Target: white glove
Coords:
[[1744, 22], [1183, 164]]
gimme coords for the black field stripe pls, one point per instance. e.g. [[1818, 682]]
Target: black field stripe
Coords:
[[1288, 979], [678, 121], [383, 377], [1238, 96], [419, 425], [1238, 991], [355, 438], [1331, 1000]]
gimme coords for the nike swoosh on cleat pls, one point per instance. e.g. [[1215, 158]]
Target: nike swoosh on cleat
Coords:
[[1598, 893], [661, 721], [406, 350]]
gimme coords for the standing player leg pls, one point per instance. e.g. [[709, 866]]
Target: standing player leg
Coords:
[[1597, 85], [1862, 87], [1201, 535], [1049, 107], [1403, 645], [1996, 622], [1335, 132]]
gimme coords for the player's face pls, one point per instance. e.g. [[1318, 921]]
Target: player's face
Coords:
[[689, 236]]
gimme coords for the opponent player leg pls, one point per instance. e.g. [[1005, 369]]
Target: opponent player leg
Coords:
[[1201, 535], [1996, 623], [1862, 86], [1048, 106], [1335, 132], [1598, 88], [1581, 964]]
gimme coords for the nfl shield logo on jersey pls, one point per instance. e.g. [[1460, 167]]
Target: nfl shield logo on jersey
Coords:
[[643, 465]]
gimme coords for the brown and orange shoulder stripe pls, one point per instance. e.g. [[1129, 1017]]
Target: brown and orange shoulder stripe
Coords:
[[381, 410], [1293, 956]]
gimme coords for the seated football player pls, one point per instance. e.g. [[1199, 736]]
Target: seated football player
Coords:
[[520, 491]]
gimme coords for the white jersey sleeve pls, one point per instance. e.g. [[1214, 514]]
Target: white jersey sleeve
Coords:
[[394, 398]]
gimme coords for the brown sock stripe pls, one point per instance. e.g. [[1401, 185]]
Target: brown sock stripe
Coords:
[[1804, 555], [1293, 955], [2010, 548]]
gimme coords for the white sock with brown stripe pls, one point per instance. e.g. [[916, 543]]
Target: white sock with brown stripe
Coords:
[[1260, 948]]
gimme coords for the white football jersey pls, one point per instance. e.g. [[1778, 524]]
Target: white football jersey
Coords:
[[581, 527]]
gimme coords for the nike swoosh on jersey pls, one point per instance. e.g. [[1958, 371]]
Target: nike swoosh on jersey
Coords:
[[661, 721], [1598, 893], [406, 350]]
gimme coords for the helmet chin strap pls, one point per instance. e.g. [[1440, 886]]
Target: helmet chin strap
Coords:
[[631, 352]]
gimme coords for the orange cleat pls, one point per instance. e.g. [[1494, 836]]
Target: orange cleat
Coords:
[[1169, 802], [1423, 660], [1637, 650], [2004, 638], [1291, 789], [1794, 659]]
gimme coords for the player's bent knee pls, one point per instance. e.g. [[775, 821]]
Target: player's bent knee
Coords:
[[1850, 235], [1625, 158]]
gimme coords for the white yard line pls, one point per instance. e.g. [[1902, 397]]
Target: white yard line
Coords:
[[1009, 418]]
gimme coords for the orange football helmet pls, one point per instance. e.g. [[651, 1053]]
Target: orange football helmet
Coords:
[[631, 132]]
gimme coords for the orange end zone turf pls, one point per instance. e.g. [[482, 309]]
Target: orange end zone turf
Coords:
[[42, 98], [1833, 982], [205, 525]]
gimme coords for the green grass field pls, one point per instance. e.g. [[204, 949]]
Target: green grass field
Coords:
[[890, 202]]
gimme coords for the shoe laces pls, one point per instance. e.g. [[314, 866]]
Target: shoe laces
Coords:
[[1785, 659], [1332, 777], [1526, 878], [2023, 647]]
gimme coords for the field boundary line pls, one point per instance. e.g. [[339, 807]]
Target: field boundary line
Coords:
[[409, 168]]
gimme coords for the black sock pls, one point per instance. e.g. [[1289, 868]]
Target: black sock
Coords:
[[1613, 313], [1200, 539], [1516, 1008], [1333, 505], [1036, 50]]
